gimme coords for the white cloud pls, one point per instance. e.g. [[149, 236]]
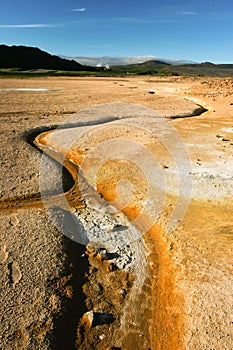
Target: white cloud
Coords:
[[122, 61], [32, 25], [188, 13], [79, 10]]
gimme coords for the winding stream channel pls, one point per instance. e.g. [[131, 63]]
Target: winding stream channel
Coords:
[[121, 204]]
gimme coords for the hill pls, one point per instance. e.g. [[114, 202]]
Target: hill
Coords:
[[162, 68], [33, 58], [203, 69]]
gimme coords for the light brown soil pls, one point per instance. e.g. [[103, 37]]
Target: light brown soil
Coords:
[[186, 301]]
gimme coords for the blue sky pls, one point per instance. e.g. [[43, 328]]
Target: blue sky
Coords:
[[198, 30]]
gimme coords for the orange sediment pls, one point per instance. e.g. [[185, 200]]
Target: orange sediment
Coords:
[[166, 328], [166, 303]]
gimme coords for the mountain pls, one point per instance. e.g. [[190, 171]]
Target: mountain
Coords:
[[145, 68], [150, 64], [156, 67], [30, 59], [33, 58], [121, 61]]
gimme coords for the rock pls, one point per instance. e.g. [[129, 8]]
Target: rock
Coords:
[[101, 254], [102, 336], [88, 318], [14, 221], [3, 254], [15, 273], [119, 228], [101, 318], [112, 267], [98, 252], [93, 319]]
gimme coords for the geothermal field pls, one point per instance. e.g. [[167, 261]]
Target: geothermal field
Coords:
[[116, 213]]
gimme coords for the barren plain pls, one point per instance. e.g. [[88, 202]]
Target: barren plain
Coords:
[[129, 246]]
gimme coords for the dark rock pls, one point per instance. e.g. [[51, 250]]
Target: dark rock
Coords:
[[102, 318], [119, 228], [93, 319]]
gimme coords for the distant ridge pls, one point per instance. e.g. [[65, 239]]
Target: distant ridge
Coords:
[[154, 63], [33, 58], [150, 64], [103, 61], [211, 65]]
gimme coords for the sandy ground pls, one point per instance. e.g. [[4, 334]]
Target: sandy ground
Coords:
[[159, 255]]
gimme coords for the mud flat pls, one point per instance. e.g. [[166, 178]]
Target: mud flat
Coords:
[[143, 247]]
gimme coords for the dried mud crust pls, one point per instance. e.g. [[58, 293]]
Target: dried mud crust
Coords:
[[36, 282], [193, 284]]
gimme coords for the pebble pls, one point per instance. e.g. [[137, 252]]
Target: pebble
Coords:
[[15, 273], [3, 254], [14, 221]]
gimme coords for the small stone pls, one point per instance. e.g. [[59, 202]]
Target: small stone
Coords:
[[124, 293], [101, 254], [119, 228], [3, 254], [14, 221], [15, 273]]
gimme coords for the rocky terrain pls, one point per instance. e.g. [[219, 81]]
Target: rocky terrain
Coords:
[[137, 253]]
